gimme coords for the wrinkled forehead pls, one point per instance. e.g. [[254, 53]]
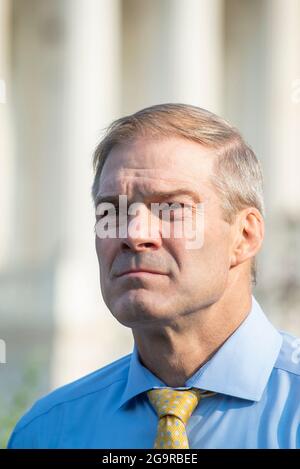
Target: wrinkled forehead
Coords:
[[146, 166], [145, 182]]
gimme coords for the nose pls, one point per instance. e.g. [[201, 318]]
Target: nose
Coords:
[[143, 229]]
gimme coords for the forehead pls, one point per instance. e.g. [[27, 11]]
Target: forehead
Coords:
[[147, 165]]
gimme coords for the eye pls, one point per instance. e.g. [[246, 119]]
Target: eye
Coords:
[[173, 209]]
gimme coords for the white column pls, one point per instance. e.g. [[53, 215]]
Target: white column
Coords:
[[87, 336], [282, 245], [195, 50], [173, 52], [6, 151], [284, 117], [36, 91]]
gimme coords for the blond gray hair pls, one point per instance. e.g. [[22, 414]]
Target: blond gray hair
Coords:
[[237, 175]]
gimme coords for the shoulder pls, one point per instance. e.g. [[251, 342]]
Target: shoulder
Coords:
[[288, 359], [95, 382]]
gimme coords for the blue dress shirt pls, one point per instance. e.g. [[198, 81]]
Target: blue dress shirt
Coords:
[[256, 375]]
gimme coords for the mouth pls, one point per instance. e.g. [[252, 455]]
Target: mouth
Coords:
[[140, 273]]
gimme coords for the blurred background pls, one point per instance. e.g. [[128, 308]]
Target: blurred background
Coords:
[[67, 68]]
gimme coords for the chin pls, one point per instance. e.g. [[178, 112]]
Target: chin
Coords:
[[135, 308]]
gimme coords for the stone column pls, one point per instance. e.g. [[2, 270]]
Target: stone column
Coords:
[[284, 103], [173, 51], [262, 100], [87, 337], [283, 164], [6, 149]]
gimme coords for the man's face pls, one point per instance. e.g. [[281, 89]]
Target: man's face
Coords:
[[183, 280]]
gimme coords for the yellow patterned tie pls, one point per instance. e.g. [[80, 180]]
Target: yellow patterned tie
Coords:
[[174, 408]]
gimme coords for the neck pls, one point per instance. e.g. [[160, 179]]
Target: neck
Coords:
[[174, 352]]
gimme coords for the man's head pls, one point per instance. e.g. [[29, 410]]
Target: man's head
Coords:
[[162, 149]]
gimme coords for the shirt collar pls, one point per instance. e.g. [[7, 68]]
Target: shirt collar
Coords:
[[240, 368]]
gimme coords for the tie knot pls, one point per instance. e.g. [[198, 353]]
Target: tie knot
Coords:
[[180, 403]]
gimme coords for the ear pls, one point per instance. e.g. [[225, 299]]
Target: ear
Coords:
[[249, 230]]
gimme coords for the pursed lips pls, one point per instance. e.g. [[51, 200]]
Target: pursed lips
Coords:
[[134, 272]]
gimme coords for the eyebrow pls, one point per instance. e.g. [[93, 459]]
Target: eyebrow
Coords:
[[160, 195]]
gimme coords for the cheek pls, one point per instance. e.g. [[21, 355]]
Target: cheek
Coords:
[[213, 255], [98, 246], [216, 247], [104, 250]]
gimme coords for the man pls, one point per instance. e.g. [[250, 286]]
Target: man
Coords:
[[207, 370]]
